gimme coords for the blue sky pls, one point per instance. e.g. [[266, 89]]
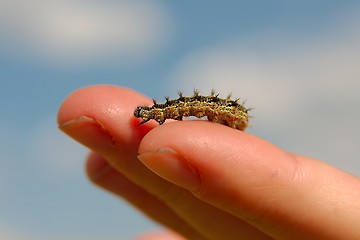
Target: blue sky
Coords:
[[296, 63]]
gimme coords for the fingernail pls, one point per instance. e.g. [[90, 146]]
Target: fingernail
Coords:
[[169, 165], [90, 133]]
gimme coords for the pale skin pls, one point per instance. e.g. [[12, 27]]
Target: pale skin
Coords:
[[204, 180]]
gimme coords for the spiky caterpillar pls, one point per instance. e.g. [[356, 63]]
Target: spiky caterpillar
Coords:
[[220, 110]]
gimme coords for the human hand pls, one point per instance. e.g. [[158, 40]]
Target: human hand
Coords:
[[205, 180]]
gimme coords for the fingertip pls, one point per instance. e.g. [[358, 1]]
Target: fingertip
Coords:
[[98, 112], [221, 157], [169, 165], [77, 101], [160, 236], [188, 137], [100, 100], [96, 166]]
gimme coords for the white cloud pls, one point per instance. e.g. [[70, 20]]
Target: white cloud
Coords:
[[77, 30], [304, 90]]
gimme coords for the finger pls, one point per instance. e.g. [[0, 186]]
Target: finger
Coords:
[[105, 176], [160, 236], [284, 195], [101, 117], [105, 112]]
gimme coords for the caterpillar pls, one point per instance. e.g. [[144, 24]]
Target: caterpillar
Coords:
[[220, 110]]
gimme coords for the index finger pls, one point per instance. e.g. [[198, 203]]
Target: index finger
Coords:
[[111, 109]]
